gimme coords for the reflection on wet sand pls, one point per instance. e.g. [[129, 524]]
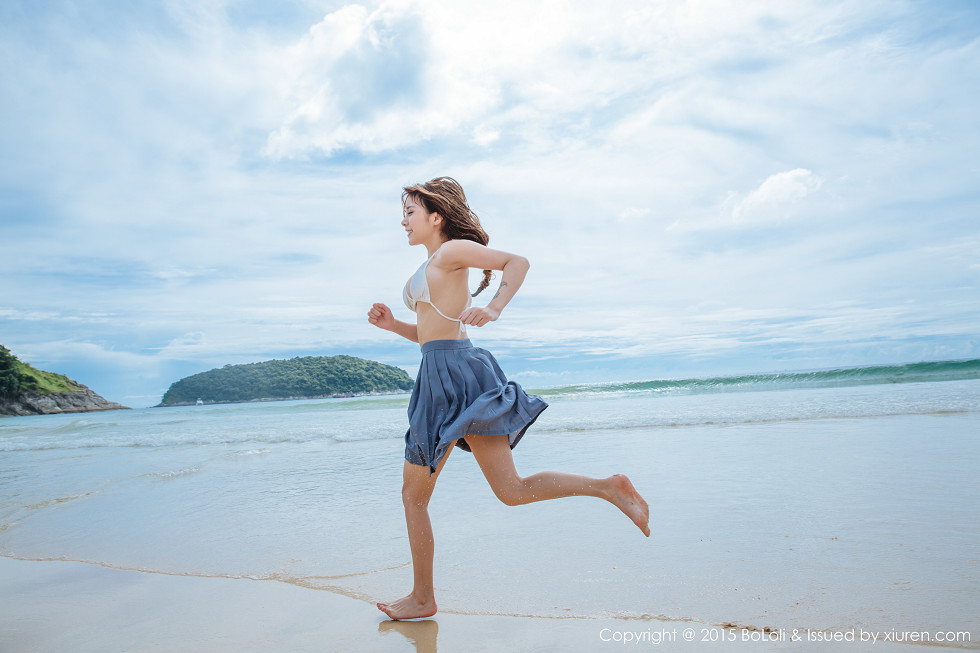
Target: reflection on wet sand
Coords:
[[421, 633]]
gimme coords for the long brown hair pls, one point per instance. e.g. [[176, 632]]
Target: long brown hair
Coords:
[[444, 195]]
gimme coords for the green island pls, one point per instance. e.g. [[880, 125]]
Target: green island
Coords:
[[17, 377], [26, 390], [310, 377]]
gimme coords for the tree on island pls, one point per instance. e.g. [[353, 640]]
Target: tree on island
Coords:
[[311, 376], [10, 381]]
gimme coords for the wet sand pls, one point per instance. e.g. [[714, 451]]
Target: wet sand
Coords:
[[70, 606]]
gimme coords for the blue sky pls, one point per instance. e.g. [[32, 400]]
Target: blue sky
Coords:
[[701, 187]]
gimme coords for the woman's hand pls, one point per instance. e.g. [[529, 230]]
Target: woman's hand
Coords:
[[479, 316], [381, 317]]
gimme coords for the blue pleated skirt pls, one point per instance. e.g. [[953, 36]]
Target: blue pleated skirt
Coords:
[[460, 391]]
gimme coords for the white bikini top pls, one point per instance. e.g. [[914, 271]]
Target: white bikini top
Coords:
[[417, 290]]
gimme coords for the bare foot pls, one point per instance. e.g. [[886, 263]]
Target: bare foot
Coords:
[[625, 496], [409, 608]]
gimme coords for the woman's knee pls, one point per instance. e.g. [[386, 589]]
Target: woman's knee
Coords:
[[417, 490], [510, 490], [416, 493], [495, 460]]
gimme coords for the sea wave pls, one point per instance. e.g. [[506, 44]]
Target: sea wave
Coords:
[[174, 474], [58, 500], [834, 378]]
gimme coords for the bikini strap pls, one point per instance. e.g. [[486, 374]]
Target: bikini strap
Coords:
[[451, 319]]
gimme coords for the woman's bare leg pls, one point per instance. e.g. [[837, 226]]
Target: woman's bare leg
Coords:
[[417, 487], [495, 459]]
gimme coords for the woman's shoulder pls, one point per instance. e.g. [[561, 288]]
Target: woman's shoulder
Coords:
[[456, 253], [459, 246]]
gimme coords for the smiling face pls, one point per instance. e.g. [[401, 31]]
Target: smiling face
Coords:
[[420, 225]]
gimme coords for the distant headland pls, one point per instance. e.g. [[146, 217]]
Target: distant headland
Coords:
[[25, 390], [310, 377]]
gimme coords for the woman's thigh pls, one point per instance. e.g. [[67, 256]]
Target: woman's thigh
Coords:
[[418, 484], [493, 454]]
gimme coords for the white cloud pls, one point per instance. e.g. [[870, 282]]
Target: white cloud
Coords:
[[633, 213], [485, 136], [777, 198], [364, 80], [408, 72], [187, 346]]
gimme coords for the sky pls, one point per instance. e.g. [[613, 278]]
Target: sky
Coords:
[[702, 187]]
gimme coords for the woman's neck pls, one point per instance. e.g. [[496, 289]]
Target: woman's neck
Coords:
[[433, 245]]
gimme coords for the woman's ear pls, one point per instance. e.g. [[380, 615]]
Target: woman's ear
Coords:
[[436, 219]]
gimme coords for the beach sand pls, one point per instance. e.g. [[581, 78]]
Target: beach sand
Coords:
[[57, 606]]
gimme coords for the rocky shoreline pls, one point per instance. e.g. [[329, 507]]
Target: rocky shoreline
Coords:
[[35, 403]]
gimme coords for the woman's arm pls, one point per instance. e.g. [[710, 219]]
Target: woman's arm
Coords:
[[382, 317], [467, 254]]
